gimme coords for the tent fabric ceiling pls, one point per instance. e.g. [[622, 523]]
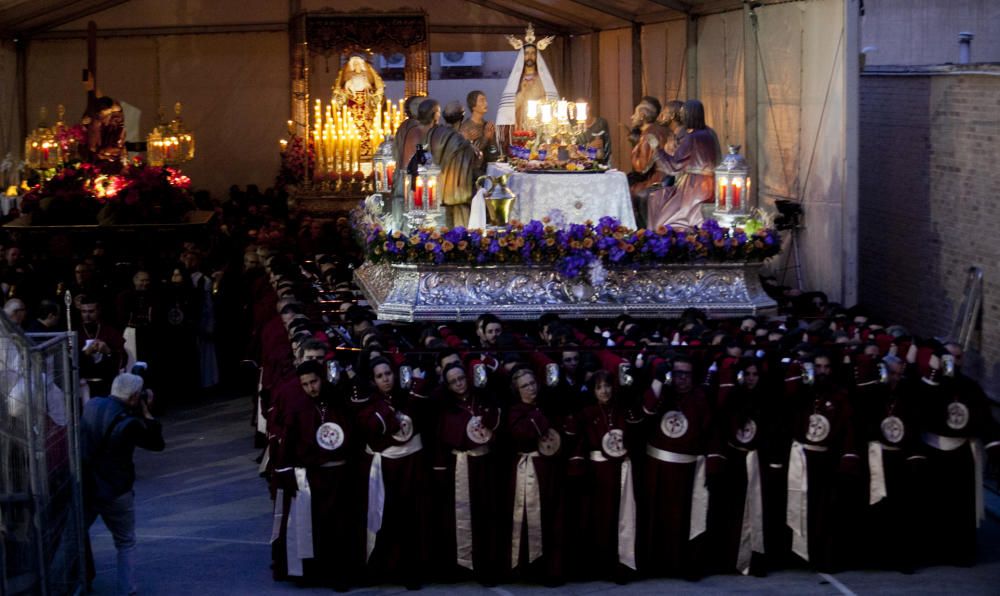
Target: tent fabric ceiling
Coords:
[[30, 17]]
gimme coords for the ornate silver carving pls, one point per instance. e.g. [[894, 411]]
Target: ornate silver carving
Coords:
[[456, 292]]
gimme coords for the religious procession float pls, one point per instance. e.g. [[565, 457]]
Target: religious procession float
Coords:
[[461, 220], [84, 176]]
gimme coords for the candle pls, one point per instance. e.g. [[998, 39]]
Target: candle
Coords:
[[430, 193], [546, 113], [562, 111], [418, 194], [723, 184], [390, 171], [737, 187], [581, 111], [532, 109]]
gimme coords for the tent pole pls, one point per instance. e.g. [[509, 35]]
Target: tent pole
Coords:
[[691, 59], [21, 80], [595, 73], [750, 104], [849, 199], [638, 89]]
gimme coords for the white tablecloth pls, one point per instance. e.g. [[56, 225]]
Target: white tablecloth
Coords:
[[569, 198]]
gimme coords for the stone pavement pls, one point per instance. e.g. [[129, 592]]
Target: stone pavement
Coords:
[[204, 519]]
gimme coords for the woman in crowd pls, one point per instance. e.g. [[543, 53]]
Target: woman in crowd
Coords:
[[390, 424], [465, 470], [537, 470], [736, 514], [610, 521]]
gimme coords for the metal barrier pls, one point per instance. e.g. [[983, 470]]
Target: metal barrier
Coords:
[[42, 524]]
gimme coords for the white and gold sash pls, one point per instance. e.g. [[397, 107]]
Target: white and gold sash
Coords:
[[463, 504], [942, 443], [527, 504], [376, 485], [797, 506], [626, 511], [752, 532], [699, 492], [299, 536]]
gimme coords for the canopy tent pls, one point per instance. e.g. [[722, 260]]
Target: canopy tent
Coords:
[[779, 79]]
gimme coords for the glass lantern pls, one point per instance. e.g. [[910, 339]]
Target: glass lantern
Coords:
[[732, 184], [41, 149], [429, 192], [181, 138], [169, 144], [156, 141], [384, 164]]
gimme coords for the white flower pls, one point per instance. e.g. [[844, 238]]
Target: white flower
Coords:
[[597, 273]]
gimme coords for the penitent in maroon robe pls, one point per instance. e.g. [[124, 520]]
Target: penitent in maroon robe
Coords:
[[665, 545], [606, 456], [332, 485], [526, 425], [474, 547], [400, 549]]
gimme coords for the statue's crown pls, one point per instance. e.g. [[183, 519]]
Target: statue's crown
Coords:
[[530, 40]]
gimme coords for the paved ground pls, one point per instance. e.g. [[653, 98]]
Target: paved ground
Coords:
[[204, 519]]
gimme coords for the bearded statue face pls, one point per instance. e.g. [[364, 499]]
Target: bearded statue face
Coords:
[[530, 56], [356, 65]]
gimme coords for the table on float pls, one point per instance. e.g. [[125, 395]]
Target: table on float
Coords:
[[578, 197]]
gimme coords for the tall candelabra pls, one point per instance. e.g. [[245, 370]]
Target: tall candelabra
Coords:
[[556, 121]]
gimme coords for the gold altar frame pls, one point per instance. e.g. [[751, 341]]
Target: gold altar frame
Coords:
[[330, 33]]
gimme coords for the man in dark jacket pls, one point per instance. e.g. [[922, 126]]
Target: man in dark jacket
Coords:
[[112, 427]]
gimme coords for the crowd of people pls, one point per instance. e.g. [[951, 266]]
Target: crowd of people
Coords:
[[546, 451], [559, 450]]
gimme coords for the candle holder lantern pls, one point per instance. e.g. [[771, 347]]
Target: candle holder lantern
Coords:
[[732, 186], [384, 165], [41, 149]]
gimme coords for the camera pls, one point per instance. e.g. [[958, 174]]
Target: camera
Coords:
[[790, 214]]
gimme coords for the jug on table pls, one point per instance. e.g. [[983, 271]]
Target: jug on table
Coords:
[[498, 197]]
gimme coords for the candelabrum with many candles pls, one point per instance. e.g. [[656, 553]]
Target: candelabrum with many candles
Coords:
[[340, 164], [556, 122], [551, 139]]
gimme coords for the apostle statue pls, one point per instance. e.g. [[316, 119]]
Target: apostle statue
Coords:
[[408, 136], [361, 89], [479, 132], [460, 162], [529, 80]]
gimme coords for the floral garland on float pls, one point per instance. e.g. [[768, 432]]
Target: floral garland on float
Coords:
[[577, 250], [108, 193]]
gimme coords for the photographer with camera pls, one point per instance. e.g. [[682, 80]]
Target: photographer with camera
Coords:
[[112, 427]]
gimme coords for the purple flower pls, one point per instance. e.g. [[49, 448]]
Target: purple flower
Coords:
[[608, 222]]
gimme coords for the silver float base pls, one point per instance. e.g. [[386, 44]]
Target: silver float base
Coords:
[[404, 292]]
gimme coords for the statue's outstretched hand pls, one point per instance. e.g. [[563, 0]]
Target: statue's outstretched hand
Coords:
[[652, 141]]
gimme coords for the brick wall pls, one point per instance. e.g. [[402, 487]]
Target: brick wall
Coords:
[[928, 194]]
